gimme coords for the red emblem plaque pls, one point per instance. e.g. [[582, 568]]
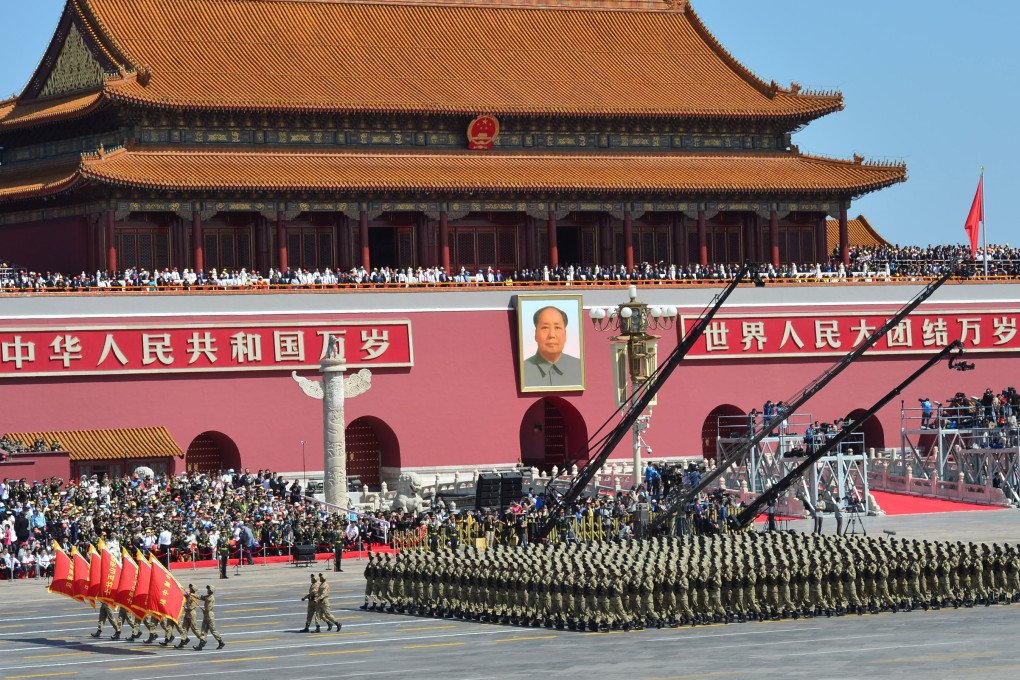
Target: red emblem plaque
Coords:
[[482, 132]]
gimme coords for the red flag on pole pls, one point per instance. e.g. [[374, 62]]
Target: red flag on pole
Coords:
[[166, 596], [95, 575], [975, 217], [126, 584], [110, 577], [63, 573], [140, 600], [81, 575]]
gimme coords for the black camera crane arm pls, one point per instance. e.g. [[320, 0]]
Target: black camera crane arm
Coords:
[[683, 498], [773, 493], [639, 402]]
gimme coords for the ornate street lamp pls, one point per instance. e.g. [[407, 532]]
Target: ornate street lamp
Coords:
[[632, 320]]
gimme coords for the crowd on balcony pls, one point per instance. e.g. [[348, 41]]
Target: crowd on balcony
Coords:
[[866, 263]]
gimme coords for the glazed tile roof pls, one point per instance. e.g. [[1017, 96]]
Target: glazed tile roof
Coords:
[[15, 114], [20, 181], [447, 57], [121, 444], [191, 170], [860, 231]]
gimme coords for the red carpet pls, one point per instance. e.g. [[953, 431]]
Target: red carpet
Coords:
[[902, 504]]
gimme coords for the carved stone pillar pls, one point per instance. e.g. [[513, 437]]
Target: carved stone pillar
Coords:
[[333, 390]]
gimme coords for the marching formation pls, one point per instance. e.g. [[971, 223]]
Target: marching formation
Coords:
[[135, 591], [708, 579]]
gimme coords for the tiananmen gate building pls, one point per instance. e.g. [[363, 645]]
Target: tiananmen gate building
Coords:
[[511, 134]]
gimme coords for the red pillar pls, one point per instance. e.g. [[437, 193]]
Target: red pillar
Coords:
[[366, 255], [844, 238], [774, 236], [702, 240], [281, 241], [111, 243], [444, 239], [821, 246], [554, 250], [197, 242], [628, 240]]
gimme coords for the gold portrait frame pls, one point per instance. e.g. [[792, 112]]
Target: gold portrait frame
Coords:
[[536, 375]]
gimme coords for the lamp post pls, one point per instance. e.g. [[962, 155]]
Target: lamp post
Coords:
[[632, 320], [304, 470]]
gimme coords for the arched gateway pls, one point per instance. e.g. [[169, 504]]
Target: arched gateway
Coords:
[[553, 434], [371, 443], [211, 452]]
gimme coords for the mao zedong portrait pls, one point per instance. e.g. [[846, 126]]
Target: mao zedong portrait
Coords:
[[549, 366]]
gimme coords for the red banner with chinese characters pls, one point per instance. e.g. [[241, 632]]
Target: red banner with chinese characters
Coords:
[[106, 350], [731, 336]]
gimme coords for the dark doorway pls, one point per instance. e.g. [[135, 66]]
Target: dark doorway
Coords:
[[568, 243], [382, 242], [874, 435]]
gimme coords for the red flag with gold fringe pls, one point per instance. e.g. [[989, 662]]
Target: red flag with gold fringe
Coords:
[[140, 599], [63, 573], [80, 591], [110, 576], [95, 575], [126, 583], [166, 596]]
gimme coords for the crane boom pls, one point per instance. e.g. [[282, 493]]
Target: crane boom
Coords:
[[683, 497], [645, 395]]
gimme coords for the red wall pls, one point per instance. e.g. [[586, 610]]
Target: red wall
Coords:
[[459, 404], [31, 245]]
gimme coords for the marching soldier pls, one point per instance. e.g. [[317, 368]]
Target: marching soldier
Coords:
[[322, 606], [107, 614], [188, 624], [209, 620], [312, 609]]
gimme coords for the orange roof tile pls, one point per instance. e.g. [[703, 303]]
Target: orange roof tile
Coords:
[[121, 444], [17, 114], [26, 180], [192, 170], [860, 232], [440, 57]]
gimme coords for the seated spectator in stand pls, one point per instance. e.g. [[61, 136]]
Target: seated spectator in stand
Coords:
[[10, 565]]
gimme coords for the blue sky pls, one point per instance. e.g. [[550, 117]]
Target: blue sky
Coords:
[[933, 83]]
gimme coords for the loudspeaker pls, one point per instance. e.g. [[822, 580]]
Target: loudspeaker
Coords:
[[487, 491], [304, 553], [510, 488]]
